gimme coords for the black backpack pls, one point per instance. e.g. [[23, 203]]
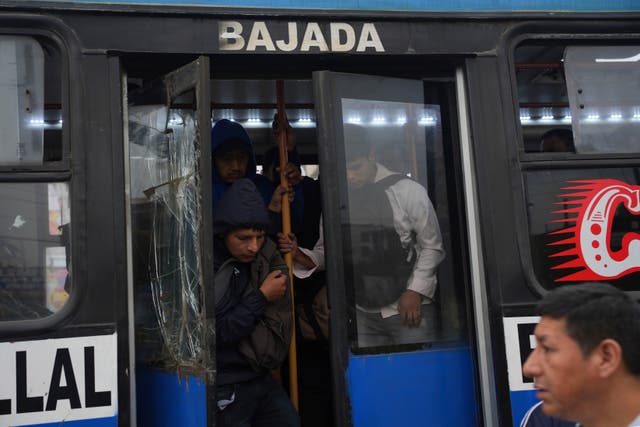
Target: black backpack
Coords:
[[375, 261]]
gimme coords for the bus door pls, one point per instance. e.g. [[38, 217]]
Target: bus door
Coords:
[[385, 372], [169, 180]]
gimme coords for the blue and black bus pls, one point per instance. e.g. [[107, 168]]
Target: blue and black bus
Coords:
[[520, 118]]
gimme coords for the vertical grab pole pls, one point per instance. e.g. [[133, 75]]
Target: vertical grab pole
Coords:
[[286, 229]]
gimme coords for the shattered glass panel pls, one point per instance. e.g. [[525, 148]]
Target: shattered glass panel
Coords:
[[165, 213]]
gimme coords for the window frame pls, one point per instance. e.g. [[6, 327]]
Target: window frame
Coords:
[[54, 34]]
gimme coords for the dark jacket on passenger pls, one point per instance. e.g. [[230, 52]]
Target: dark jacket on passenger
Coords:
[[252, 334]]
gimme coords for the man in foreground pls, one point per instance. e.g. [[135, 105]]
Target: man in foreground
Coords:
[[586, 364]]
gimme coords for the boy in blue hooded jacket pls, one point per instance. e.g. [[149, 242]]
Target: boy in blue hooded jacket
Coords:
[[232, 158]]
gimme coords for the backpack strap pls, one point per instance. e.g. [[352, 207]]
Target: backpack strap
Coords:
[[390, 180]]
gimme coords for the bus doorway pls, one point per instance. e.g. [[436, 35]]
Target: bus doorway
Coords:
[[413, 125]]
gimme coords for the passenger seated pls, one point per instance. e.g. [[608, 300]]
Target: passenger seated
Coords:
[[557, 140], [252, 303]]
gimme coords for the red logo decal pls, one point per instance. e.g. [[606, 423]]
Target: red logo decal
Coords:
[[595, 203]]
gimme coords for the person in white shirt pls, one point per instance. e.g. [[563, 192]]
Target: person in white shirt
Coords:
[[586, 363], [393, 250]]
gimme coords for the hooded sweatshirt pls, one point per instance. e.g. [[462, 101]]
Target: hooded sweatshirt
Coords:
[[226, 130]]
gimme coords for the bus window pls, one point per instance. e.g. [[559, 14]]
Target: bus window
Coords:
[[396, 226], [604, 91], [542, 97], [35, 216], [582, 220], [578, 99], [571, 242], [22, 92], [382, 140]]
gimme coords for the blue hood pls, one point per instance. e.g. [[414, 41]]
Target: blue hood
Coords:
[[225, 130]]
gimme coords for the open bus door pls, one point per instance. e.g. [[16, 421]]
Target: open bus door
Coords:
[[169, 179], [430, 376]]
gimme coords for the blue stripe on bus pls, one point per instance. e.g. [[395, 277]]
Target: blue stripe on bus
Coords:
[[93, 422], [410, 5], [397, 389], [169, 400], [521, 401]]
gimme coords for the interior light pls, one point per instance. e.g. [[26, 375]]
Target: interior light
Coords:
[[615, 116], [354, 120], [401, 120], [525, 118], [634, 58], [547, 117], [593, 117]]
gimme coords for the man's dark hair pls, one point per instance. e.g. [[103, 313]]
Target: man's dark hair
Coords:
[[563, 134], [594, 312], [357, 143]]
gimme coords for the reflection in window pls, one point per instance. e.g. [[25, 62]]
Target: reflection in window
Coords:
[[57, 274], [393, 245], [34, 262]]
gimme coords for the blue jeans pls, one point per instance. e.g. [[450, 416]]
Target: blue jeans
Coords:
[[260, 402]]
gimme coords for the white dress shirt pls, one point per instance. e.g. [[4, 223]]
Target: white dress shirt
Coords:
[[413, 214]]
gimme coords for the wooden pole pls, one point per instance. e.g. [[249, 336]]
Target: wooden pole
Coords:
[[286, 229]]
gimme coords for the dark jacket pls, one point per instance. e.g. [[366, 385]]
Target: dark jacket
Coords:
[[307, 202], [252, 335]]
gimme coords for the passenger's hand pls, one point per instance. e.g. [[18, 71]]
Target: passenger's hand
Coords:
[[293, 174], [275, 205], [274, 286], [288, 244], [409, 306]]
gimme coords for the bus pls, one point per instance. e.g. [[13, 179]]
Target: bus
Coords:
[[518, 118]]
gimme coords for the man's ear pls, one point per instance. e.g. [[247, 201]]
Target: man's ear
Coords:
[[608, 357]]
